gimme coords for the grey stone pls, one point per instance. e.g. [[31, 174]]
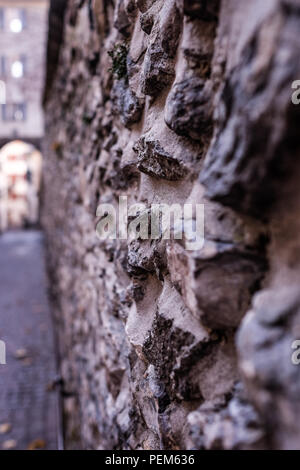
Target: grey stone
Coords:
[[247, 159], [158, 69], [189, 109], [203, 9], [129, 105], [155, 161]]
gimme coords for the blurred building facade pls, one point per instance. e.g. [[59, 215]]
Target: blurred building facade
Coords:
[[20, 177], [23, 29]]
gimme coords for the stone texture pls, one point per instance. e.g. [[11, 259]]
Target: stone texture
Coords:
[[188, 110], [163, 347], [256, 124], [155, 161]]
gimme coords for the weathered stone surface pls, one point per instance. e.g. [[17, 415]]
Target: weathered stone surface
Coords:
[[155, 161], [189, 109], [158, 69], [129, 105], [227, 424], [122, 22], [216, 283], [206, 10], [265, 343], [201, 91], [147, 21], [256, 121]]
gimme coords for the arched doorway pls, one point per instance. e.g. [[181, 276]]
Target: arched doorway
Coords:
[[20, 180]]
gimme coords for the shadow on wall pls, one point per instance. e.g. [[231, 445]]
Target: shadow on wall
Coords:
[[20, 180]]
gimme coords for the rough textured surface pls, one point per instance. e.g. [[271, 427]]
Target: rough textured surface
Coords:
[[191, 105]]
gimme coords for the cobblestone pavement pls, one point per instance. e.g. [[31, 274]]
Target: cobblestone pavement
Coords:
[[29, 416]]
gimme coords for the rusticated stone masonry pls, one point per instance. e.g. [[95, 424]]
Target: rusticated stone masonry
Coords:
[[176, 101]]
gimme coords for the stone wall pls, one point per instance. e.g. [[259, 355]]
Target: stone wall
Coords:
[[176, 101], [26, 89]]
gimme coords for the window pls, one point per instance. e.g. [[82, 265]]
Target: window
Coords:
[[17, 68], [17, 20], [15, 112], [15, 65], [16, 25], [13, 19]]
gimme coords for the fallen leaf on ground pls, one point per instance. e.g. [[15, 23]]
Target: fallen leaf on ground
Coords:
[[37, 444], [9, 444], [5, 427]]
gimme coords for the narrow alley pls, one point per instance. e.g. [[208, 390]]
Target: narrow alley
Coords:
[[28, 404]]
